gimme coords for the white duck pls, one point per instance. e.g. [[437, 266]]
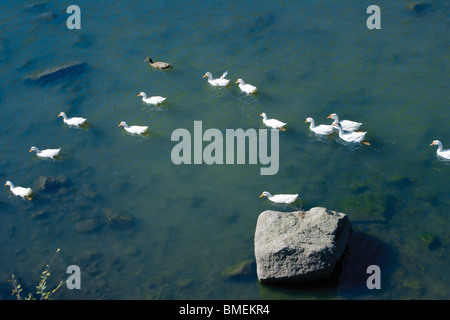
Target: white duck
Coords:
[[19, 191], [151, 100], [245, 87], [347, 125], [134, 129], [221, 82], [75, 121], [322, 129], [354, 136], [280, 198], [441, 153], [273, 123], [47, 153]]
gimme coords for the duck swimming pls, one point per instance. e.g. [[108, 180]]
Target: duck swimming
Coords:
[[322, 129], [19, 191], [156, 100], [47, 153], [158, 64], [347, 125], [441, 153], [134, 129], [354, 136], [221, 82], [245, 87], [273, 123], [75, 121]]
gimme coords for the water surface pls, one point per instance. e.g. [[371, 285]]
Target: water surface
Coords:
[[190, 223]]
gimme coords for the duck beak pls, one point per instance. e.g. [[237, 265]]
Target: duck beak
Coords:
[[306, 121], [6, 184], [31, 150], [432, 144], [261, 196], [204, 76], [120, 125], [59, 115], [329, 117], [236, 81], [139, 95]]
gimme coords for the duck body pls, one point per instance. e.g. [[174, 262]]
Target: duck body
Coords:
[[353, 137], [273, 123], [245, 87], [19, 191], [75, 121], [47, 153], [322, 129], [347, 125], [220, 82], [158, 64], [156, 100], [134, 129], [445, 154], [280, 198]]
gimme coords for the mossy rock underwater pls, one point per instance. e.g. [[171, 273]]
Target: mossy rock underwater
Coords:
[[367, 206]]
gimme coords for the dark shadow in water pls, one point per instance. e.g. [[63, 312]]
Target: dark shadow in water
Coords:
[[349, 277], [84, 41], [362, 251], [261, 22]]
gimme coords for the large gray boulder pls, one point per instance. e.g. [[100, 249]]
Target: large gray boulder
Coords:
[[299, 246]]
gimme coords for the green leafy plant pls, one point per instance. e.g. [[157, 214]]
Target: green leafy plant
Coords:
[[41, 293]]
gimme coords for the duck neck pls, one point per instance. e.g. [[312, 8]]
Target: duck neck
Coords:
[[439, 144], [312, 124], [341, 131], [144, 96], [64, 116], [11, 185]]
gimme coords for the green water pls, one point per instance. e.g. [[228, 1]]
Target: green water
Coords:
[[192, 222]]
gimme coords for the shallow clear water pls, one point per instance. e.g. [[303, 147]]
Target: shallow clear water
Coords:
[[191, 222]]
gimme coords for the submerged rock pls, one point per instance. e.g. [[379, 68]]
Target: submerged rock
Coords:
[[47, 16], [299, 246], [429, 239], [51, 184], [239, 270], [87, 226], [368, 206], [58, 73], [37, 6], [419, 8], [115, 219]]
